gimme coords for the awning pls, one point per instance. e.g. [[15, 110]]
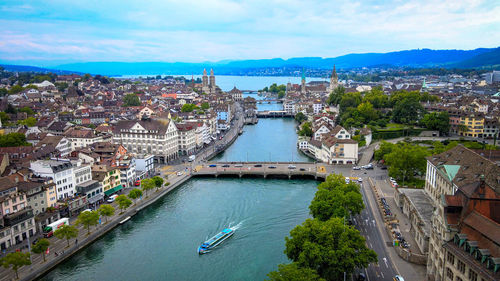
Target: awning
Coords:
[[113, 190], [96, 198]]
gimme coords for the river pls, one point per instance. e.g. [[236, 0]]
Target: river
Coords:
[[160, 242]]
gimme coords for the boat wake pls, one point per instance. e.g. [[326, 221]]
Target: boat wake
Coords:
[[238, 226]]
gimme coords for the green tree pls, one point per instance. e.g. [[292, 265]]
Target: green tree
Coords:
[[293, 272], [350, 100], [30, 122], [335, 198], [367, 112], [188, 107], [28, 110], [66, 232], [377, 97], [3, 92], [306, 129], [336, 96], [158, 182], [16, 260], [131, 100], [106, 211], [407, 111], [384, 149], [123, 202], [13, 139], [437, 121], [41, 247], [4, 117], [15, 89], [88, 219], [406, 161], [11, 109], [86, 77], [205, 106], [329, 247], [147, 184], [135, 193], [300, 117], [61, 86], [463, 128]]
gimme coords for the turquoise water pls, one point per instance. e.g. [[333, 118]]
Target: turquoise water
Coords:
[[160, 242]]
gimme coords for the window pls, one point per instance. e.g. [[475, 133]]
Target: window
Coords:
[[461, 266], [472, 275], [449, 274]]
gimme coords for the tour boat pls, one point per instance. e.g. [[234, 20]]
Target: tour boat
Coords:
[[214, 241]]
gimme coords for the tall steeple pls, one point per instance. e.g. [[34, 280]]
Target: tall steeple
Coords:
[[212, 79], [204, 81], [303, 82], [334, 80]]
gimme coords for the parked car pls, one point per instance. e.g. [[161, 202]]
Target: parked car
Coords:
[[257, 165], [291, 166], [356, 168], [302, 169], [180, 173], [137, 182], [398, 278], [212, 165], [360, 180], [226, 166], [238, 165], [87, 210], [272, 167], [112, 198]]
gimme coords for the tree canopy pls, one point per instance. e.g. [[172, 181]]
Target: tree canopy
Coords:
[[131, 100], [306, 129], [88, 219], [123, 202], [336, 96], [406, 161], [158, 182], [335, 198], [66, 232], [106, 211], [16, 260], [205, 106], [300, 117], [188, 107], [328, 247], [41, 247], [13, 139], [135, 193], [293, 272], [147, 184], [437, 121]]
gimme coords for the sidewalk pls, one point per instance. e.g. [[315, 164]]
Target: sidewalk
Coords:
[[410, 271], [38, 267]]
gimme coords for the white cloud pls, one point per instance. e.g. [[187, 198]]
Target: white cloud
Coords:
[[192, 30]]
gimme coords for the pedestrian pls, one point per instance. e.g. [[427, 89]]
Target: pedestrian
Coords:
[[76, 241]]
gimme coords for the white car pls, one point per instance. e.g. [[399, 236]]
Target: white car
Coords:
[[180, 173], [347, 180], [238, 165], [112, 198], [87, 210], [360, 180], [292, 166]]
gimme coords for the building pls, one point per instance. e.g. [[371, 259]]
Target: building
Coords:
[[82, 137], [60, 143], [160, 139], [93, 190], [144, 165], [334, 80], [236, 94], [187, 138], [472, 124], [339, 151], [61, 171], [464, 242], [40, 193], [108, 177]]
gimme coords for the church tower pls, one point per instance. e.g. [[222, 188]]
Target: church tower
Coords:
[[204, 81], [303, 83], [334, 80], [212, 79]]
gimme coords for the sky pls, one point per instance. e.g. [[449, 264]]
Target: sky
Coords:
[[49, 33]]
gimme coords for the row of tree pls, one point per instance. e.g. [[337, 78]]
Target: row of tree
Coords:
[[86, 219], [326, 247]]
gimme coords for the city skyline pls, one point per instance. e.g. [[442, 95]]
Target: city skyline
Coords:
[[51, 33]]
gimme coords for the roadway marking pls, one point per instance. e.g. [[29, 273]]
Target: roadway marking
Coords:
[[381, 273], [371, 246], [385, 261]]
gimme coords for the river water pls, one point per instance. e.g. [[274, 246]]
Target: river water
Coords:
[[160, 242]]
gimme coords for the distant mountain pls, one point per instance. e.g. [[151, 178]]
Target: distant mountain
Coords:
[[478, 58], [485, 60], [28, 68]]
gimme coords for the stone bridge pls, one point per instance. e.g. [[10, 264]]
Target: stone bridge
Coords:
[[317, 171]]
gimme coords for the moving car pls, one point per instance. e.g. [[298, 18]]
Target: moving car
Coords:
[[238, 165], [226, 166], [398, 278], [180, 173], [137, 182], [257, 165], [302, 169], [291, 166], [272, 167], [356, 168], [212, 165]]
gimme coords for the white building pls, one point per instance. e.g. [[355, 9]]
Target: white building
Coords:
[[84, 137], [61, 171], [289, 107], [187, 138], [149, 137]]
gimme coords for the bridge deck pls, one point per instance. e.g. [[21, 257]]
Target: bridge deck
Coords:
[[264, 169]]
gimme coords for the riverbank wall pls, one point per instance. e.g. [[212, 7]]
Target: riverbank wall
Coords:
[[97, 233]]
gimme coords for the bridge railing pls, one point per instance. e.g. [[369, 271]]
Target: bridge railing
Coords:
[[261, 162]]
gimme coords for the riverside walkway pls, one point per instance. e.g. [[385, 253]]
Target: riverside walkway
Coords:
[[264, 169]]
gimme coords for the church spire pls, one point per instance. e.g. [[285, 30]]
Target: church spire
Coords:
[[334, 71]]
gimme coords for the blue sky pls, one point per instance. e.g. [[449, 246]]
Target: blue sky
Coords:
[[47, 33]]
